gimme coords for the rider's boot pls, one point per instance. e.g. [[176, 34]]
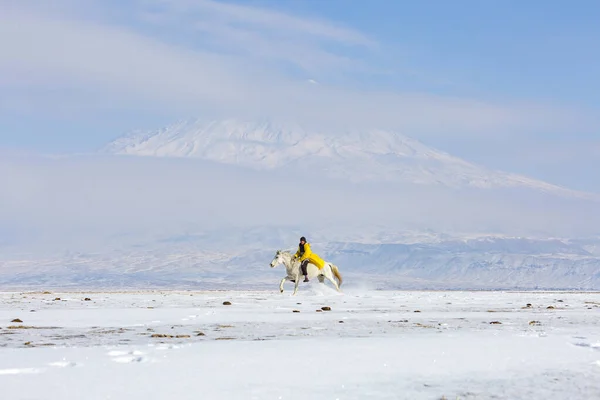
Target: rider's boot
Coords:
[[304, 272]]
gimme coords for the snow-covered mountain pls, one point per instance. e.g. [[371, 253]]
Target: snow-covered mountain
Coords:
[[373, 155]]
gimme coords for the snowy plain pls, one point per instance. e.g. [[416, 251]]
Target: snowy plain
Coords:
[[266, 345]]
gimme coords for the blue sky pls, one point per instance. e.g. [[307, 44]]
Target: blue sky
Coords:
[[512, 85]]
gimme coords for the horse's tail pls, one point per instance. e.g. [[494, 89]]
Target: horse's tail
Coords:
[[336, 273]]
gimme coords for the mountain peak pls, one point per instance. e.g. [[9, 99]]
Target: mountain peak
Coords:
[[356, 155]]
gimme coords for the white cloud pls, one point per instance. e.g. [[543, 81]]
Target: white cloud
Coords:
[[250, 17], [262, 34], [231, 65], [70, 198], [66, 202]]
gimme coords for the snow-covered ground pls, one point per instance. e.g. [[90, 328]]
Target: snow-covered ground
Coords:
[[266, 345]]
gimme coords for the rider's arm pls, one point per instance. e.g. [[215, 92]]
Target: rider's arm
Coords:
[[307, 251]]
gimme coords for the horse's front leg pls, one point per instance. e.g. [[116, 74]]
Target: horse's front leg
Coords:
[[296, 283], [281, 284]]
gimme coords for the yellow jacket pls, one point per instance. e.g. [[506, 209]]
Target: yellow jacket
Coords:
[[312, 257]]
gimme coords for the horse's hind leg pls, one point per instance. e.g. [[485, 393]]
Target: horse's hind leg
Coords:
[[332, 280]]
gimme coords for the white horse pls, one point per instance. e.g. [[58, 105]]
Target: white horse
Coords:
[[292, 268]]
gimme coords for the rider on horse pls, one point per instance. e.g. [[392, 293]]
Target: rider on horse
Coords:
[[306, 256]]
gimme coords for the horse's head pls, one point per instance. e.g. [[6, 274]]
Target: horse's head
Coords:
[[278, 259], [281, 257]]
